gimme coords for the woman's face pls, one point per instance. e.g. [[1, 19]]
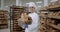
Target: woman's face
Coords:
[[32, 9]]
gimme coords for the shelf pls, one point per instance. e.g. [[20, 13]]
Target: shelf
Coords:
[[45, 16], [3, 24], [4, 18], [50, 14], [54, 9], [51, 8], [54, 6]]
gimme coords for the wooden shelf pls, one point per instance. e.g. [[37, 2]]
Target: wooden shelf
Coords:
[[50, 14], [45, 16], [54, 6], [3, 19], [49, 7]]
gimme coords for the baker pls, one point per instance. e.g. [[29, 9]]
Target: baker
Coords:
[[33, 27]]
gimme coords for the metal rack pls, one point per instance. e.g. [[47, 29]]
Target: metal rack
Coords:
[[15, 12]]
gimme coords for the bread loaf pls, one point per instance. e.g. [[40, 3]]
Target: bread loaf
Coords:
[[25, 18]]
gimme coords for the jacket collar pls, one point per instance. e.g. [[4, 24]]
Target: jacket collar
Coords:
[[33, 13]]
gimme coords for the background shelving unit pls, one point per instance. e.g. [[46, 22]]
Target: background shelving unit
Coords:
[[3, 19], [50, 14]]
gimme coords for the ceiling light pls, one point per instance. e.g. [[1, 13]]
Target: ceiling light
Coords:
[[39, 6], [53, 0], [39, 2], [27, 3]]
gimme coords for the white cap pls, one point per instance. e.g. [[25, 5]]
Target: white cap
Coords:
[[32, 4]]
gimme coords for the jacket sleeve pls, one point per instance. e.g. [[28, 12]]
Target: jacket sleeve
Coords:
[[35, 23], [20, 24]]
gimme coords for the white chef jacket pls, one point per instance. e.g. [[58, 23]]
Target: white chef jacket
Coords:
[[34, 26]]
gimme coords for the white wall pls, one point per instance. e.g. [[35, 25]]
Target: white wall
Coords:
[[7, 3], [0, 3]]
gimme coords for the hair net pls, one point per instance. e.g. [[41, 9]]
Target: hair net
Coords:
[[32, 4]]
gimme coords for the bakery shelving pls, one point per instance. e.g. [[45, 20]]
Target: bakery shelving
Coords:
[[51, 15], [3, 19]]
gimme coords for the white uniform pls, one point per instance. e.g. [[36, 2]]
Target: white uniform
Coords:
[[34, 26]]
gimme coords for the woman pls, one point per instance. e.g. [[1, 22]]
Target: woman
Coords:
[[33, 27]]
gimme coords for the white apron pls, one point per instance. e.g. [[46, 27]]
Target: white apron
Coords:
[[34, 26]]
